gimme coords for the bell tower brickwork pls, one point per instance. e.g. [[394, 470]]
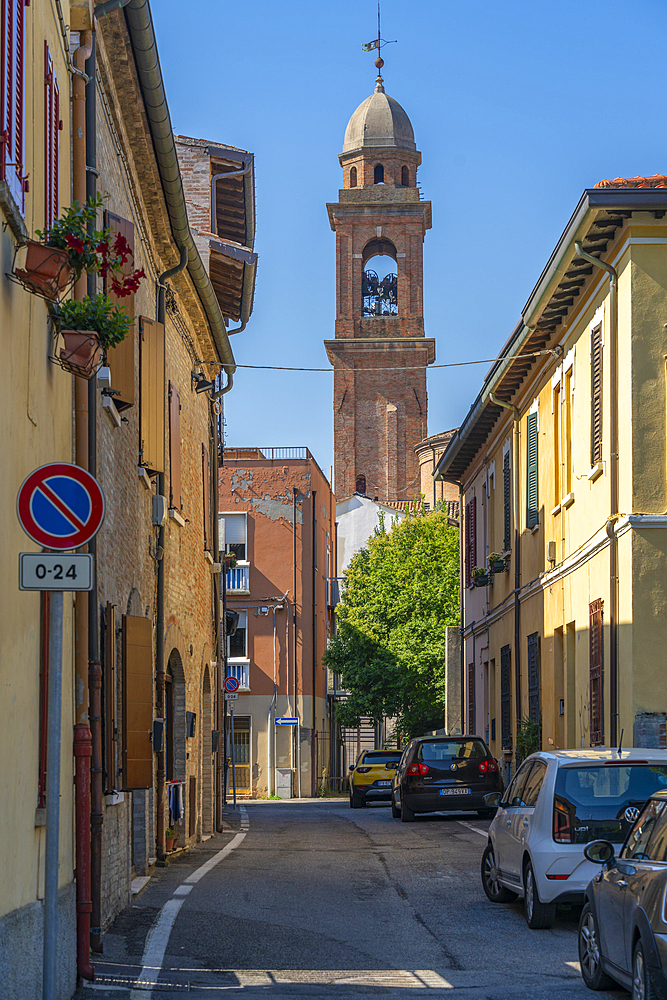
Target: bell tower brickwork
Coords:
[[379, 414]]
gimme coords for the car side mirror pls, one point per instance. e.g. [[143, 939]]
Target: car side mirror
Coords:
[[492, 799], [351, 767], [600, 852]]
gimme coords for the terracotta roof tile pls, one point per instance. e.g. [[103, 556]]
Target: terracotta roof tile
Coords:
[[655, 181]]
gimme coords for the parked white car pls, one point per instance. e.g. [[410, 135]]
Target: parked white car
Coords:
[[557, 802]]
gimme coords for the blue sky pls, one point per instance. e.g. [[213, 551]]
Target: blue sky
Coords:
[[516, 107]]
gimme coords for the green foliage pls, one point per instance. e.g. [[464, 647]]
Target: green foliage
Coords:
[[528, 737], [400, 594], [95, 313]]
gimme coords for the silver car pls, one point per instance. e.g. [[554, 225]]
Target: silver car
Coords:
[[558, 802]]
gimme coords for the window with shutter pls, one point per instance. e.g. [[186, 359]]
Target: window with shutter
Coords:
[[151, 394], [467, 546], [137, 680], [507, 502], [110, 714], [122, 359], [534, 677], [472, 546], [235, 535], [52, 126], [174, 448], [596, 668], [12, 98], [532, 510], [471, 698], [206, 489], [596, 395], [506, 697]]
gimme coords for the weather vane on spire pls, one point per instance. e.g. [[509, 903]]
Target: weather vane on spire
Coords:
[[378, 43]]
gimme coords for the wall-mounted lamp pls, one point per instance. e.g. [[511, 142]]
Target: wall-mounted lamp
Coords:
[[200, 383]]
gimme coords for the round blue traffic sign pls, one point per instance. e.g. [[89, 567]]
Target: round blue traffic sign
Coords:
[[60, 506], [231, 684]]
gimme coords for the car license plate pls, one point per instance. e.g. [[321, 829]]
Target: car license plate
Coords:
[[383, 783], [455, 791]]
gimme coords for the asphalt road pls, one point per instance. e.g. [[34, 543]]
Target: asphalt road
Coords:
[[313, 899]]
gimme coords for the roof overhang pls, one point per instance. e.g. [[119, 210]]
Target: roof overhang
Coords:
[[596, 222], [232, 269]]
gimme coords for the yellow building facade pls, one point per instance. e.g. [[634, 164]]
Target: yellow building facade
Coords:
[[561, 467]]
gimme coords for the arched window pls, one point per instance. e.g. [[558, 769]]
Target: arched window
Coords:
[[361, 485], [378, 174], [379, 279], [353, 177], [405, 177]]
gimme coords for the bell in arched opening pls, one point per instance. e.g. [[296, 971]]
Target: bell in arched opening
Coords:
[[361, 485]]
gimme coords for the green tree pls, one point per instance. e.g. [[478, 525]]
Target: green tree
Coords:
[[399, 595]]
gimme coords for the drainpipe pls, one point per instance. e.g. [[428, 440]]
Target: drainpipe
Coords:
[[296, 706], [94, 665], [313, 640], [461, 602], [613, 486], [159, 630], [517, 551], [217, 597], [82, 735], [433, 473]]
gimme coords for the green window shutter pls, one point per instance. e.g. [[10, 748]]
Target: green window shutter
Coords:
[[532, 511], [507, 491]]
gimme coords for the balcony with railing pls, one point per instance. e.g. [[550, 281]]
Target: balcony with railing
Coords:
[[241, 670], [238, 579]]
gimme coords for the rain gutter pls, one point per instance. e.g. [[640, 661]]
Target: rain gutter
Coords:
[[144, 47]]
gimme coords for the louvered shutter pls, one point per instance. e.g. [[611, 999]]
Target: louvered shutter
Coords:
[[507, 493], [473, 534], [110, 700], [137, 749], [532, 511], [12, 98], [174, 448], [534, 677], [596, 672], [506, 697], [122, 359], [471, 698], [52, 126], [467, 546], [206, 488], [151, 394], [596, 395]]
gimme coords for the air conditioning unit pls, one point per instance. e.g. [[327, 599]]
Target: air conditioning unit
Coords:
[[160, 510]]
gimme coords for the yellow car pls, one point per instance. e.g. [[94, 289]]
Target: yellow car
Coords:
[[370, 777]]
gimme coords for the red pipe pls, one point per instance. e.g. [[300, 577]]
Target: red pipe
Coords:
[[83, 751]]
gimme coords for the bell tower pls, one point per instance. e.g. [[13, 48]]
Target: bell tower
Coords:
[[379, 352]]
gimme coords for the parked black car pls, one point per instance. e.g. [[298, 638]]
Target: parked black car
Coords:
[[439, 773], [623, 926]]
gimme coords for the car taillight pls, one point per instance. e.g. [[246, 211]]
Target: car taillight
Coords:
[[363, 770], [417, 769], [562, 826], [488, 767]]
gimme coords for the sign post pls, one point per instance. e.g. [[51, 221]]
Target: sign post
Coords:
[[59, 506], [231, 712]]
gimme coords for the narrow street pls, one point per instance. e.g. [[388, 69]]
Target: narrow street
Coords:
[[312, 899]]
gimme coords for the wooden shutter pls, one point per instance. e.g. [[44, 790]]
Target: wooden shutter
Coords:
[[206, 487], [137, 749], [473, 534], [151, 394], [596, 395], [122, 358], [534, 677], [192, 807], [507, 502], [532, 511], [506, 697], [596, 668], [174, 447], [110, 713], [12, 97], [471, 698], [467, 546], [52, 126]]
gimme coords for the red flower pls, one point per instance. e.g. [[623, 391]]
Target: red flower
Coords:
[[75, 242]]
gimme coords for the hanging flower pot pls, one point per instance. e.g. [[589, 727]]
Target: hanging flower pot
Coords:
[[496, 563], [230, 561], [81, 352], [41, 269], [480, 577]]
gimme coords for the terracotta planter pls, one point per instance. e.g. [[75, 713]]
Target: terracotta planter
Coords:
[[81, 352], [169, 843], [45, 270]]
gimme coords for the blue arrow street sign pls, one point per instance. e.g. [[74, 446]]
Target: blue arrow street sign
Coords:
[[287, 722]]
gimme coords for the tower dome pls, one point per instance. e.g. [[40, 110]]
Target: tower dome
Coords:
[[379, 122]]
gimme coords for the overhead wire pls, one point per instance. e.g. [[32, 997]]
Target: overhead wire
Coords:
[[400, 368]]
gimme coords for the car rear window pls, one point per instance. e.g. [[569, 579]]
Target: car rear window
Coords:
[[432, 752], [380, 758], [601, 802]]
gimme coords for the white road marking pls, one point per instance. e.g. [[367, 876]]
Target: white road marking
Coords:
[[433, 979], [477, 829], [574, 965], [158, 936]]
